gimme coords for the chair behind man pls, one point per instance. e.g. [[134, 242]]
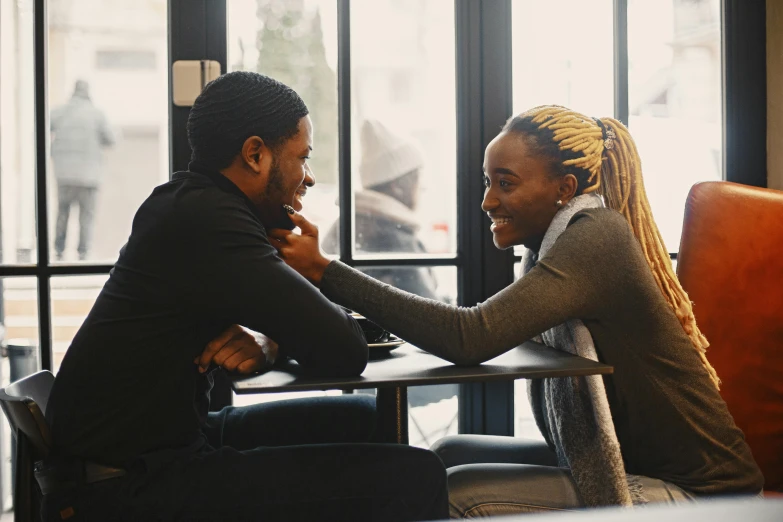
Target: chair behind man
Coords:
[[731, 264], [24, 403]]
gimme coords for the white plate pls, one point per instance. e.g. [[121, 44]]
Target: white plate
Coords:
[[394, 343]]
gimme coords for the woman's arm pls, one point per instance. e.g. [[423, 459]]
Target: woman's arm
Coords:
[[462, 335], [565, 284]]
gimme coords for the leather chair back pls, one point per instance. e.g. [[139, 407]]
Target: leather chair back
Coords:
[[731, 264]]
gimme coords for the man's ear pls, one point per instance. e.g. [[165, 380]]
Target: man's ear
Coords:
[[256, 155], [567, 189]]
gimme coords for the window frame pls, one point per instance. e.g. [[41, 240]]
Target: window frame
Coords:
[[197, 30]]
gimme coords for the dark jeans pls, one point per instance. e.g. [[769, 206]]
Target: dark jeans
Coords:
[[67, 195], [304, 459]]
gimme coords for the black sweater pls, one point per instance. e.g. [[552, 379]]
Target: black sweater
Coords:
[[197, 261]]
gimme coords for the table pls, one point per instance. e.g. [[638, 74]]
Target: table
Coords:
[[714, 510], [410, 366]]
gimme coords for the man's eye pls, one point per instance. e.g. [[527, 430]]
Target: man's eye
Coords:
[[486, 181], [503, 183]]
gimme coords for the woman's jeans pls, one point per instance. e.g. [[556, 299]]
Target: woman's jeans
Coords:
[[302, 459], [491, 476]]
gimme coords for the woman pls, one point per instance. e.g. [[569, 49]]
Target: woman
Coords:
[[597, 282]]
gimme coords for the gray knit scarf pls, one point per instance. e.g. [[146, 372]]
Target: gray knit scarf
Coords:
[[573, 412]]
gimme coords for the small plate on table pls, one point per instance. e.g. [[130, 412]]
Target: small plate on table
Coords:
[[378, 339], [391, 344]]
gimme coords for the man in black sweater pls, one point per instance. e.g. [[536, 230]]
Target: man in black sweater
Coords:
[[128, 409]]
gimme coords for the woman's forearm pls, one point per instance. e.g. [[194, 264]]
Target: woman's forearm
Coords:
[[461, 335]]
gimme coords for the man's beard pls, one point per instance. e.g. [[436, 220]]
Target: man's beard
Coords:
[[272, 206]]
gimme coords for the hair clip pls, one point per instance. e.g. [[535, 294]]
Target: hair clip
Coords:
[[607, 133], [610, 137]]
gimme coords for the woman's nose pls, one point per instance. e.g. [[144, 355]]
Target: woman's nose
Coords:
[[489, 203]]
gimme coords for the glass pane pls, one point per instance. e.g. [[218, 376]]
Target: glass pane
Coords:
[[72, 300], [18, 327], [108, 100], [296, 43], [19, 339], [404, 163], [674, 50], [551, 63], [17, 134], [524, 423], [438, 282], [432, 410]]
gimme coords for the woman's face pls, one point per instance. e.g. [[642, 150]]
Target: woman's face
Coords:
[[520, 195]]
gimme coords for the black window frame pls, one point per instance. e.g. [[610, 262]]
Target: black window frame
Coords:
[[197, 30]]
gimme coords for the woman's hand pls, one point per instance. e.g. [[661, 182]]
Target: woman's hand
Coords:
[[301, 251]]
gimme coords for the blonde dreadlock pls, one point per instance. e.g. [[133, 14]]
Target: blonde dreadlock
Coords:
[[603, 157]]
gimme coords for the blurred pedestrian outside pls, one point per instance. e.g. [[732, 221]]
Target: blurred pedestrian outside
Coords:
[[80, 132], [386, 221]]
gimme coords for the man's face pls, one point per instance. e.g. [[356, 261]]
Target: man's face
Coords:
[[289, 177]]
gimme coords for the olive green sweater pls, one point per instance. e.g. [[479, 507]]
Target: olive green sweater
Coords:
[[670, 420]]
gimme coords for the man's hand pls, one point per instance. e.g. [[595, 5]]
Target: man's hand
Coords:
[[239, 349]]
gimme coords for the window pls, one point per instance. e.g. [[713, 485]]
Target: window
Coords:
[[128, 60], [436, 81], [401, 178], [17, 135], [673, 90]]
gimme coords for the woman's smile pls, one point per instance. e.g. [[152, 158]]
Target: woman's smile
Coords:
[[499, 223]]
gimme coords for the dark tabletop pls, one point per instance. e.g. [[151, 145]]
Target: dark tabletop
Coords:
[[409, 366], [713, 510]]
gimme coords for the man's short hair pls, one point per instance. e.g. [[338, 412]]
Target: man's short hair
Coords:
[[236, 106]]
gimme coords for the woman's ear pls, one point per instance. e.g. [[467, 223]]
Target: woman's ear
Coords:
[[255, 154], [567, 188]]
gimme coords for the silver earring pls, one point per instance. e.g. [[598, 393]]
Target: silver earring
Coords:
[[559, 203]]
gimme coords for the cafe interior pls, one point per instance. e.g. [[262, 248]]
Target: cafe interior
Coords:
[[404, 96]]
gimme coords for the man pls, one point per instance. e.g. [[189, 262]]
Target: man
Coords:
[[79, 133], [131, 396]]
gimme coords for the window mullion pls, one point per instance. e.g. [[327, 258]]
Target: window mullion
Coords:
[[41, 158], [344, 111], [621, 106], [483, 104]]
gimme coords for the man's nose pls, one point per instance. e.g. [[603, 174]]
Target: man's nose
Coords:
[[309, 179]]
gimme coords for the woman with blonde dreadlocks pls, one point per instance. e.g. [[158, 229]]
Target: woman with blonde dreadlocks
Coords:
[[597, 282]]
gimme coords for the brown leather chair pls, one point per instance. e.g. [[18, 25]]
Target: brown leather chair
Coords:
[[731, 265]]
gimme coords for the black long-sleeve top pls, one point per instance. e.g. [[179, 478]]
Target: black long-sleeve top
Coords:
[[197, 261]]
